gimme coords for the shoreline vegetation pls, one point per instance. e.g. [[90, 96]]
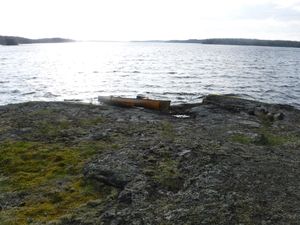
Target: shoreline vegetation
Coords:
[[223, 161], [13, 40], [237, 41]]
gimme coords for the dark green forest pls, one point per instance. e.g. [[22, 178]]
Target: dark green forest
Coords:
[[12, 40], [241, 41]]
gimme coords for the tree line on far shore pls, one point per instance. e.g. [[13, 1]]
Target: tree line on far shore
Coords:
[[12, 40], [241, 41]]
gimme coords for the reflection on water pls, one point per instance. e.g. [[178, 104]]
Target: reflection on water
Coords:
[[180, 72]]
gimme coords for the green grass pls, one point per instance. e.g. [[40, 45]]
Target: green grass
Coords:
[[266, 137], [167, 174], [91, 121], [167, 130], [36, 168], [241, 138]]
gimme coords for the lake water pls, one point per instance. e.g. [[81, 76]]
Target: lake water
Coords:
[[179, 72]]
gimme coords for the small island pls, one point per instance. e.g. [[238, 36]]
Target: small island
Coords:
[[13, 40]]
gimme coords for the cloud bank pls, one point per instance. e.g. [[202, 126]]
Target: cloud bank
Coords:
[[156, 19]]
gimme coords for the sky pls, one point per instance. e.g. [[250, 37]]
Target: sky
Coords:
[[124, 20]]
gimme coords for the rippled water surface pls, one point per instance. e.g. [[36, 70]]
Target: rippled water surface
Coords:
[[180, 72]]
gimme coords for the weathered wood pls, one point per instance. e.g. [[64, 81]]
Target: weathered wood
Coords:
[[160, 105]]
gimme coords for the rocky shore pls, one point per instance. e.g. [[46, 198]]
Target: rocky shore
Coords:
[[224, 161]]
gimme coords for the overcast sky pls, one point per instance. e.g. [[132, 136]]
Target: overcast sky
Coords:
[[151, 19]]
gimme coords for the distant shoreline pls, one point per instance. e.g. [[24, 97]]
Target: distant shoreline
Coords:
[[13, 40], [235, 41]]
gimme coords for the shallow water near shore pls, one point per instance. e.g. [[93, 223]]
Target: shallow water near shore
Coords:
[[183, 73]]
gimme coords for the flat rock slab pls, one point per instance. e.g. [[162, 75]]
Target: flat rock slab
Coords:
[[230, 161], [113, 169]]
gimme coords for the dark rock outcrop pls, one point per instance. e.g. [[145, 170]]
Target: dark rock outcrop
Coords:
[[114, 169]]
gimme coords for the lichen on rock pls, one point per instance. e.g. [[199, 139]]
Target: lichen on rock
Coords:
[[229, 161]]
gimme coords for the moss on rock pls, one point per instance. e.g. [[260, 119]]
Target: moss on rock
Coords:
[[50, 174]]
